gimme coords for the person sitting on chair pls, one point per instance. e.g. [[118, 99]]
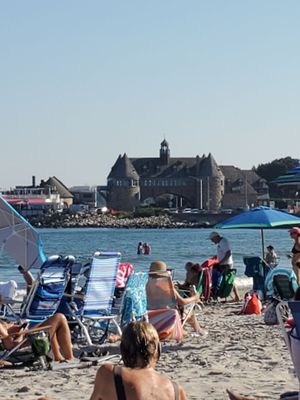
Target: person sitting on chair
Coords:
[[191, 278], [271, 257], [157, 269], [137, 379], [12, 334]]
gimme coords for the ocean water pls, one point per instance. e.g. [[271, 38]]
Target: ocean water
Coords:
[[174, 246]]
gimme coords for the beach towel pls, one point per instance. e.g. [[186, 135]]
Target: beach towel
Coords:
[[167, 322]]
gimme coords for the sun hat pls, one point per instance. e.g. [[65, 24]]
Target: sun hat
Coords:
[[158, 267], [295, 230], [213, 235]]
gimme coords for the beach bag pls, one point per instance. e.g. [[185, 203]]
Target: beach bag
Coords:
[[40, 343], [270, 317], [252, 304]]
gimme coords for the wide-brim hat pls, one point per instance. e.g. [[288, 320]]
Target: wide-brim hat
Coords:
[[158, 267]]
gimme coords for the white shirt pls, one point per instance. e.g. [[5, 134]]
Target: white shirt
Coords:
[[222, 248]]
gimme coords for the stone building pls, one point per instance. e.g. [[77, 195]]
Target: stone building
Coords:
[[195, 182]]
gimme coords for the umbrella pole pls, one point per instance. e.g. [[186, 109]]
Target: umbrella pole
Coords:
[[262, 243]]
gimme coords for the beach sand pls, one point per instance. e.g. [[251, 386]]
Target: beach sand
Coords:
[[240, 353]]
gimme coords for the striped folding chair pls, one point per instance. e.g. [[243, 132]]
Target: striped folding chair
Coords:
[[96, 298]]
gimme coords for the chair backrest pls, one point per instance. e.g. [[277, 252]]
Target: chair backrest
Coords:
[[100, 284], [160, 292], [255, 267], [283, 287], [48, 289], [295, 310], [134, 305]]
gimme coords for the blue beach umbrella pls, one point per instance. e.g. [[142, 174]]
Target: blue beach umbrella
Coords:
[[260, 218]]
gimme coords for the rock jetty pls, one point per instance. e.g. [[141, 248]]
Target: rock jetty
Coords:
[[110, 221]]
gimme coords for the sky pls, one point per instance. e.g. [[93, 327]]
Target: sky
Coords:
[[84, 81]]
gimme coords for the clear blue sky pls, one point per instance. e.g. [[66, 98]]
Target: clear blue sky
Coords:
[[85, 81]]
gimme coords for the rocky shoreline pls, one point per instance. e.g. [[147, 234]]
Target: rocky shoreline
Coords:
[[109, 221]]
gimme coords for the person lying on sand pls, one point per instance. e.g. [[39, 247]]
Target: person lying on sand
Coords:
[[137, 379], [11, 334]]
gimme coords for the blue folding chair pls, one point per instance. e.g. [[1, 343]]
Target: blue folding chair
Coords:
[[94, 304], [47, 291]]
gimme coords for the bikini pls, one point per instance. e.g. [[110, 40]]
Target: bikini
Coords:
[[120, 387], [294, 250]]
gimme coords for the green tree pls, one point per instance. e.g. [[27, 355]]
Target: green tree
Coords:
[[273, 169]]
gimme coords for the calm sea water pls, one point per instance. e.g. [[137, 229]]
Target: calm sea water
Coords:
[[174, 246]]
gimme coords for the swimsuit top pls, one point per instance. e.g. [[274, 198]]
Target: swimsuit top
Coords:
[[295, 251], [120, 387]]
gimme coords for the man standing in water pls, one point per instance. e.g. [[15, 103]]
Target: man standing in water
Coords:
[[225, 260]]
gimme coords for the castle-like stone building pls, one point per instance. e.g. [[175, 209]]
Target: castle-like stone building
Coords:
[[196, 182]]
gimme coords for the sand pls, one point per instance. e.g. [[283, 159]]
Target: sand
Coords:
[[240, 353]]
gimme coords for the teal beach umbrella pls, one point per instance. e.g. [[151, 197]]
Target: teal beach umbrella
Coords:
[[260, 218]]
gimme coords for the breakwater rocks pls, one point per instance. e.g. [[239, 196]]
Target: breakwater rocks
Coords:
[[108, 221]]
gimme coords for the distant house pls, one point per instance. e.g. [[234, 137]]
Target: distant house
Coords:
[[34, 200], [196, 182], [55, 185]]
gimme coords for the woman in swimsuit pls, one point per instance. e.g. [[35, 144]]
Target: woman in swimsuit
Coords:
[[137, 379], [295, 252]]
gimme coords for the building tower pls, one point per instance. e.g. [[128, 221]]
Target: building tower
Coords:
[[123, 185], [164, 153], [212, 183]]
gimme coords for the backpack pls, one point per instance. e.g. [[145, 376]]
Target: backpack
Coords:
[[252, 304]]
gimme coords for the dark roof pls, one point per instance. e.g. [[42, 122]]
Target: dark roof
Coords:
[[209, 167], [60, 187], [123, 168], [176, 167]]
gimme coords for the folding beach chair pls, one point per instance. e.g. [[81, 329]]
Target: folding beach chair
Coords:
[[257, 269], [163, 310], [134, 304], [47, 291], [291, 334], [7, 298], [281, 284], [95, 301]]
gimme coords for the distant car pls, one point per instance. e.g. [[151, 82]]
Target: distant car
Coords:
[[226, 210], [171, 210], [195, 211], [186, 210]]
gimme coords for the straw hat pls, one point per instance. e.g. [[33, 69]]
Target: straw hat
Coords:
[[158, 267]]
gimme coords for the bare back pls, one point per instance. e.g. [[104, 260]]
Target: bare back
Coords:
[[139, 384]]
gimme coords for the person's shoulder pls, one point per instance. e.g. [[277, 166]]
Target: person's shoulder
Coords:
[[105, 370]]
